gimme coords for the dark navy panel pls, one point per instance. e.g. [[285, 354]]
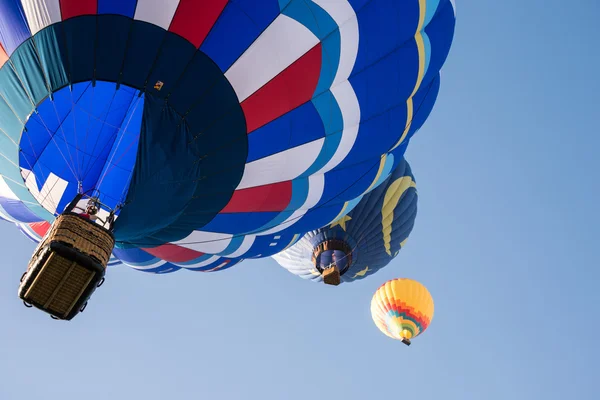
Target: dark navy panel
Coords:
[[113, 32], [299, 126], [13, 25], [212, 105], [172, 59], [187, 169], [50, 45], [120, 7], [240, 23], [199, 77], [165, 174], [144, 42], [80, 34]]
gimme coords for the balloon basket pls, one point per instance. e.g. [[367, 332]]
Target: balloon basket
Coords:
[[67, 266], [331, 276], [405, 341]]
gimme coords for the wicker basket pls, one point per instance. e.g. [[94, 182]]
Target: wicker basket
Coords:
[[331, 276], [67, 266]]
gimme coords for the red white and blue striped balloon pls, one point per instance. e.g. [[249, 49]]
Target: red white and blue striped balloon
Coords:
[[213, 125]]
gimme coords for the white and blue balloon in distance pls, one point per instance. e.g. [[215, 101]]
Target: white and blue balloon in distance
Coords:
[[213, 126], [366, 239]]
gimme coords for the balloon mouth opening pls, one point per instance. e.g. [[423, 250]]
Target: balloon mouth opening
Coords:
[[78, 140], [332, 254]]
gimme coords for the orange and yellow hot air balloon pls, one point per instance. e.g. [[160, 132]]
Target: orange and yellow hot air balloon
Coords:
[[402, 309]]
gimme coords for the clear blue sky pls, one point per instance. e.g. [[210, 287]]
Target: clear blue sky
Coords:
[[506, 240]]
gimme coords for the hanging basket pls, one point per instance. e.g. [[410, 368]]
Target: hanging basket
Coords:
[[67, 266], [331, 276]]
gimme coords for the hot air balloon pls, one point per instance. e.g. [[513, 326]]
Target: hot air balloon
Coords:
[[402, 309], [363, 241], [191, 124]]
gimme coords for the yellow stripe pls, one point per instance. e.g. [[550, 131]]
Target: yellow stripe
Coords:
[[361, 273], [379, 172], [420, 75], [341, 214], [291, 242], [390, 202]]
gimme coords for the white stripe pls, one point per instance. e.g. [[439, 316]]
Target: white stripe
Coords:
[[146, 267], [281, 167], [453, 2], [206, 242], [41, 13], [5, 190], [282, 43], [52, 190], [244, 247], [157, 12], [344, 15], [350, 109], [211, 260]]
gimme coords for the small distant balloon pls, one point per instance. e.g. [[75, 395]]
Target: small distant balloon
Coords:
[[402, 309]]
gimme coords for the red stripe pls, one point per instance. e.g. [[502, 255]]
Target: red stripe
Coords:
[[173, 253], [75, 8], [40, 228], [3, 56], [288, 90], [194, 19], [274, 197]]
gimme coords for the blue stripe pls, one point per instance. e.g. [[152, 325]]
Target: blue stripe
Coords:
[[233, 245], [239, 223], [17, 210], [384, 26], [135, 257], [331, 115], [13, 25], [431, 8], [388, 83], [240, 23], [120, 7], [299, 126]]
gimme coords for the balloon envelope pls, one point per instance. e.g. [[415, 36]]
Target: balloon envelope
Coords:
[[402, 308], [373, 233], [205, 122]]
